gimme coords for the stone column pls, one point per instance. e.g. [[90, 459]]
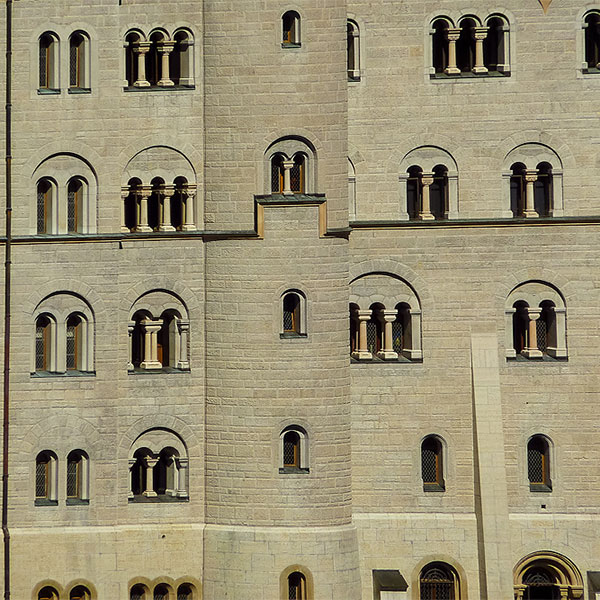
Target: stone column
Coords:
[[150, 464], [564, 592], [165, 195], [453, 35], [560, 350], [142, 221], [132, 462], [519, 591], [125, 191], [182, 491], [189, 193], [425, 212], [529, 211], [151, 329], [387, 352], [165, 49], [141, 49], [413, 335], [287, 184], [363, 352], [85, 475], [130, 328], [531, 350], [479, 33], [183, 328]]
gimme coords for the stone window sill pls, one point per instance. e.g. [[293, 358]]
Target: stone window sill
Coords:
[[434, 487], [540, 487], [376, 359], [470, 75], [48, 92], [77, 502], [169, 370], [292, 335], [536, 359], [45, 502], [157, 499], [290, 45], [159, 88], [49, 374], [293, 471], [76, 90]]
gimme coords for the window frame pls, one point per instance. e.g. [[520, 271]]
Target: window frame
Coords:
[[437, 485], [544, 449], [302, 450], [299, 316], [48, 82], [50, 482], [290, 28]]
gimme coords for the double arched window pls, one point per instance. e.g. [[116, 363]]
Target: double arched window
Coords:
[[158, 467], [293, 450], [439, 581], [46, 478], [158, 333], [471, 47], [290, 167], [49, 63], [535, 322], [159, 59], [63, 338]]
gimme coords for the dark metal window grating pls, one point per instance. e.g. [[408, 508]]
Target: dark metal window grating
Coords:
[[542, 334], [372, 336], [72, 211], [397, 336], [429, 465], [296, 177], [41, 479], [40, 354], [74, 64], [73, 479], [41, 211], [535, 465], [71, 347]]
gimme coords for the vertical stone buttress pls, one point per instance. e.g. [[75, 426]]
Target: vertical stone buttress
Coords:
[[260, 521]]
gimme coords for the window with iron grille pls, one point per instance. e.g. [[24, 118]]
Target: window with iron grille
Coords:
[[184, 592], [72, 345], [137, 593], [291, 29], [79, 592], [74, 196], [48, 593], [291, 449], [372, 336], [397, 336], [277, 174], [538, 467], [431, 463], [46, 43], [297, 175], [44, 199], [541, 327], [161, 593], [76, 60], [42, 334], [296, 586], [42, 472], [437, 583], [73, 476], [291, 313]]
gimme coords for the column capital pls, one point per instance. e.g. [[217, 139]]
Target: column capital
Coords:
[[364, 315], [150, 461], [453, 34], [534, 313], [480, 33], [167, 190], [389, 316], [152, 326], [531, 175], [145, 190], [165, 47], [141, 47], [427, 178]]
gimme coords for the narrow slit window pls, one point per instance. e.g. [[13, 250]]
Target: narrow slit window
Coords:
[[431, 464], [42, 344], [74, 200], [44, 205], [291, 449], [291, 29], [291, 313], [297, 586], [538, 464], [76, 61]]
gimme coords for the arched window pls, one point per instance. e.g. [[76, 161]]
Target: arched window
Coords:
[[76, 196], [542, 189], [74, 343], [182, 59], [158, 466], [45, 206], [465, 46], [135, 60], [432, 469], [79, 62], [290, 167], [138, 592], [438, 193], [161, 592], [43, 344], [293, 314], [496, 46], [80, 592], [413, 191], [591, 27], [297, 173], [535, 189], [438, 581], [439, 41], [536, 322], [297, 586], [351, 190], [290, 23], [154, 64], [277, 171], [77, 477], [541, 583], [48, 593], [185, 592], [538, 464], [353, 42], [45, 478], [48, 63], [288, 176], [293, 450]]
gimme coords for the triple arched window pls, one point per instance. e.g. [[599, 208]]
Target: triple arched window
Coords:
[[46, 478], [49, 80], [163, 591], [472, 47], [159, 60], [385, 319], [160, 206], [63, 338]]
